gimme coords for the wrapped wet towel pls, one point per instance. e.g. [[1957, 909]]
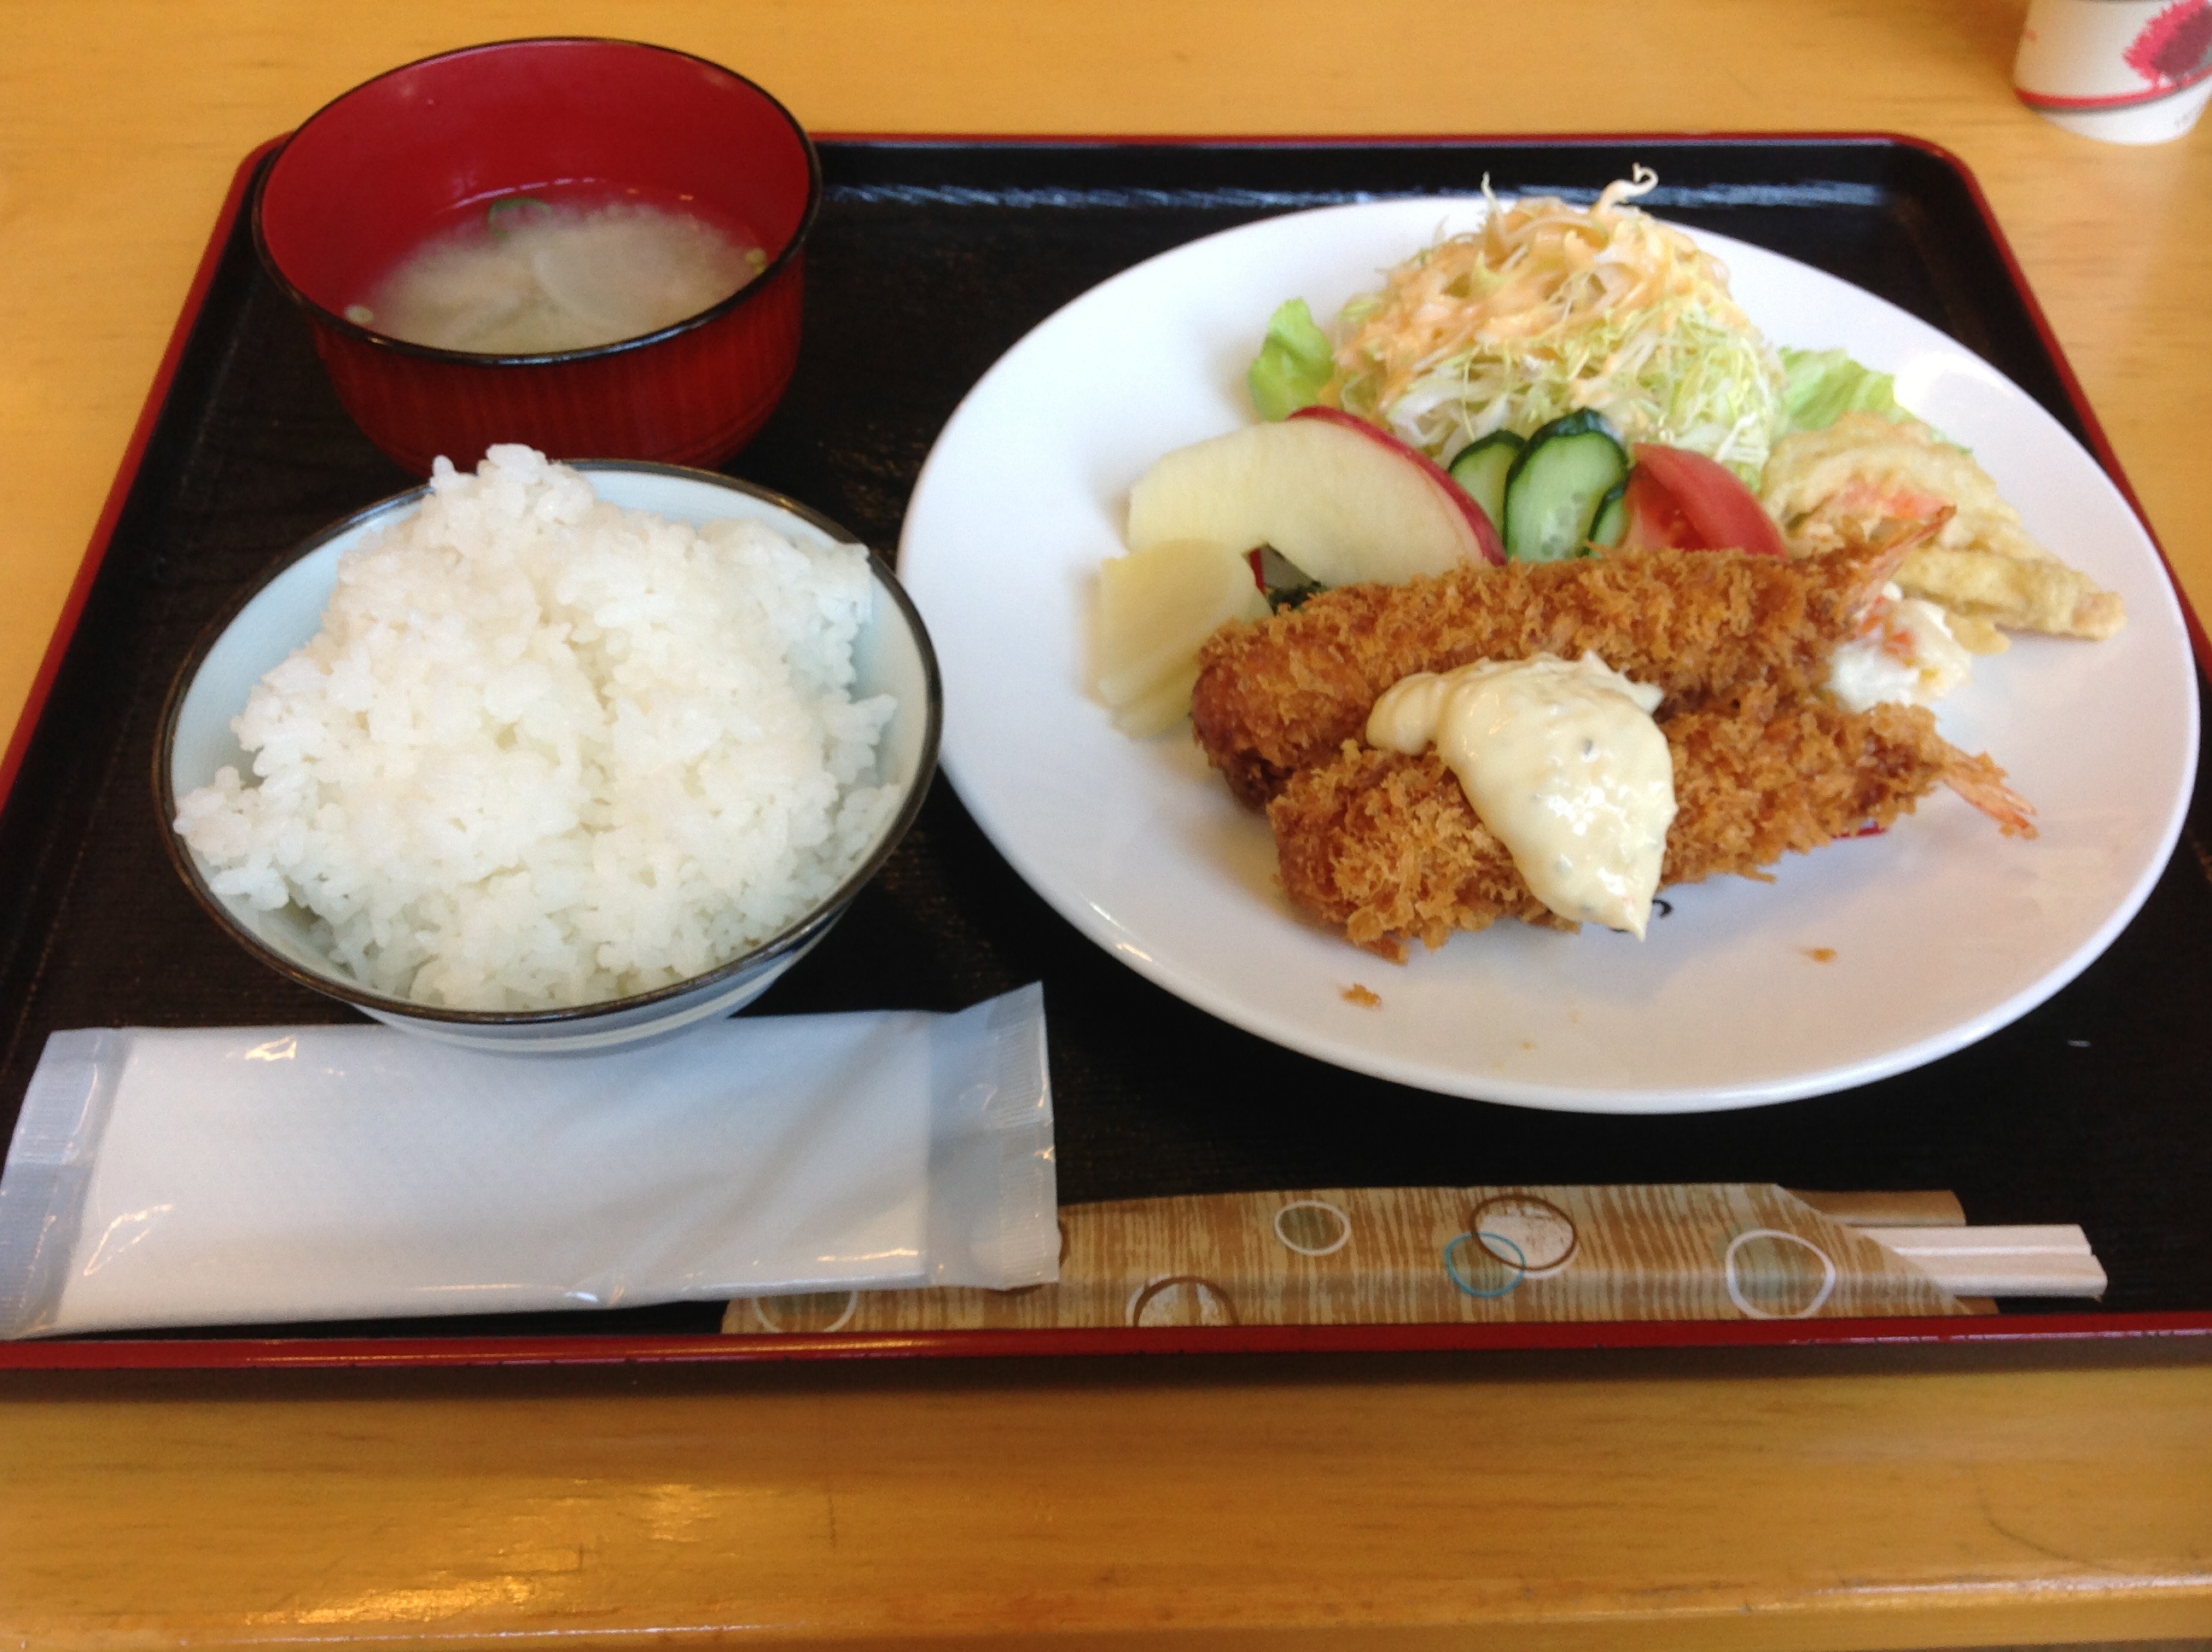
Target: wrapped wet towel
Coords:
[[230, 1176]]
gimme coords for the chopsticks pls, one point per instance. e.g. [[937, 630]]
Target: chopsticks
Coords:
[[1929, 1230], [2000, 1261]]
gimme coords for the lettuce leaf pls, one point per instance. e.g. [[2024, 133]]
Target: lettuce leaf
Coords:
[[1822, 386], [1293, 364]]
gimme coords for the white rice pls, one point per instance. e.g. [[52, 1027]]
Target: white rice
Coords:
[[546, 752]]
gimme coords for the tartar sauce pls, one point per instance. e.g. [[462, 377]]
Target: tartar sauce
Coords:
[[1904, 653], [1562, 762]]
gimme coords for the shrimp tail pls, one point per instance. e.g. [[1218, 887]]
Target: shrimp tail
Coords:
[[1982, 783], [1881, 551]]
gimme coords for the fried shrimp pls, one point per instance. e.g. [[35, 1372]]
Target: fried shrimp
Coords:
[[1274, 696], [1387, 848]]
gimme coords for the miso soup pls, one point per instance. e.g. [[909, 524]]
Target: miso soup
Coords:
[[529, 277]]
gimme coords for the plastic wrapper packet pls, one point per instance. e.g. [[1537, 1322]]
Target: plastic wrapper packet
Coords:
[[235, 1176]]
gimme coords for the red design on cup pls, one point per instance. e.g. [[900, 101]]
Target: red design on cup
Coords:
[[2174, 47]]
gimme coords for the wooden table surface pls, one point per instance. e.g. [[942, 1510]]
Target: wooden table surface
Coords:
[[1842, 1499]]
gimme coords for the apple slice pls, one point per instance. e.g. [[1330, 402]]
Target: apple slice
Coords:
[[1341, 499], [1491, 547]]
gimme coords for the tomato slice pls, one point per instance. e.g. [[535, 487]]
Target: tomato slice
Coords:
[[1655, 521], [1694, 503]]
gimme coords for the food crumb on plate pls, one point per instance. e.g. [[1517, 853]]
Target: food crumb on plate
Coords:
[[1820, 954], [1362, 996]]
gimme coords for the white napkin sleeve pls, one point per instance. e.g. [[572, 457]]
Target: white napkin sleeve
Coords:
[[237, 1176]]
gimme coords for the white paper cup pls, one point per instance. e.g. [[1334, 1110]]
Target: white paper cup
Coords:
[[2127, 71]]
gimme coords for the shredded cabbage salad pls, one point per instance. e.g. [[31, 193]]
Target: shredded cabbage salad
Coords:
[[1550, 309]]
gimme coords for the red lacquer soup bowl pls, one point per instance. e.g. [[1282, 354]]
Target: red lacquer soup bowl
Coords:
[[409, 155]]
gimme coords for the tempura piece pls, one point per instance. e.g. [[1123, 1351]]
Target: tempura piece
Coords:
[[1823, 486], [1275, 696], [1387, 847], [2012, 593]]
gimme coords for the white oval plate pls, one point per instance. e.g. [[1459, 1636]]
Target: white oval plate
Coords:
[[1869, 957]]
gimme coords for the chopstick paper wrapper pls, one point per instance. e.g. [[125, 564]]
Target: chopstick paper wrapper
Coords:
[[270, 1175], [1487, 1255]]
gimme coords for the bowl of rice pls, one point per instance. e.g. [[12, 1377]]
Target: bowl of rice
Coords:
[[550, 757]]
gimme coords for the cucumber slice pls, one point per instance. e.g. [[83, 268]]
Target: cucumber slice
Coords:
[[1555, 488], [1481, 469], [1612, 518]]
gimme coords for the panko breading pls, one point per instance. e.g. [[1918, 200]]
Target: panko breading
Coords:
[[1823, 487], [1388, 848], [1279, 695]]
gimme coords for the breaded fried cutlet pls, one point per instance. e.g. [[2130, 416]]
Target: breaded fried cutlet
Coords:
[[1387, 848], [1274, 696]]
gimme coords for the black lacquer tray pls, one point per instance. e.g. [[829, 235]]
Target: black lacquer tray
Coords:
[[929, 259]]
